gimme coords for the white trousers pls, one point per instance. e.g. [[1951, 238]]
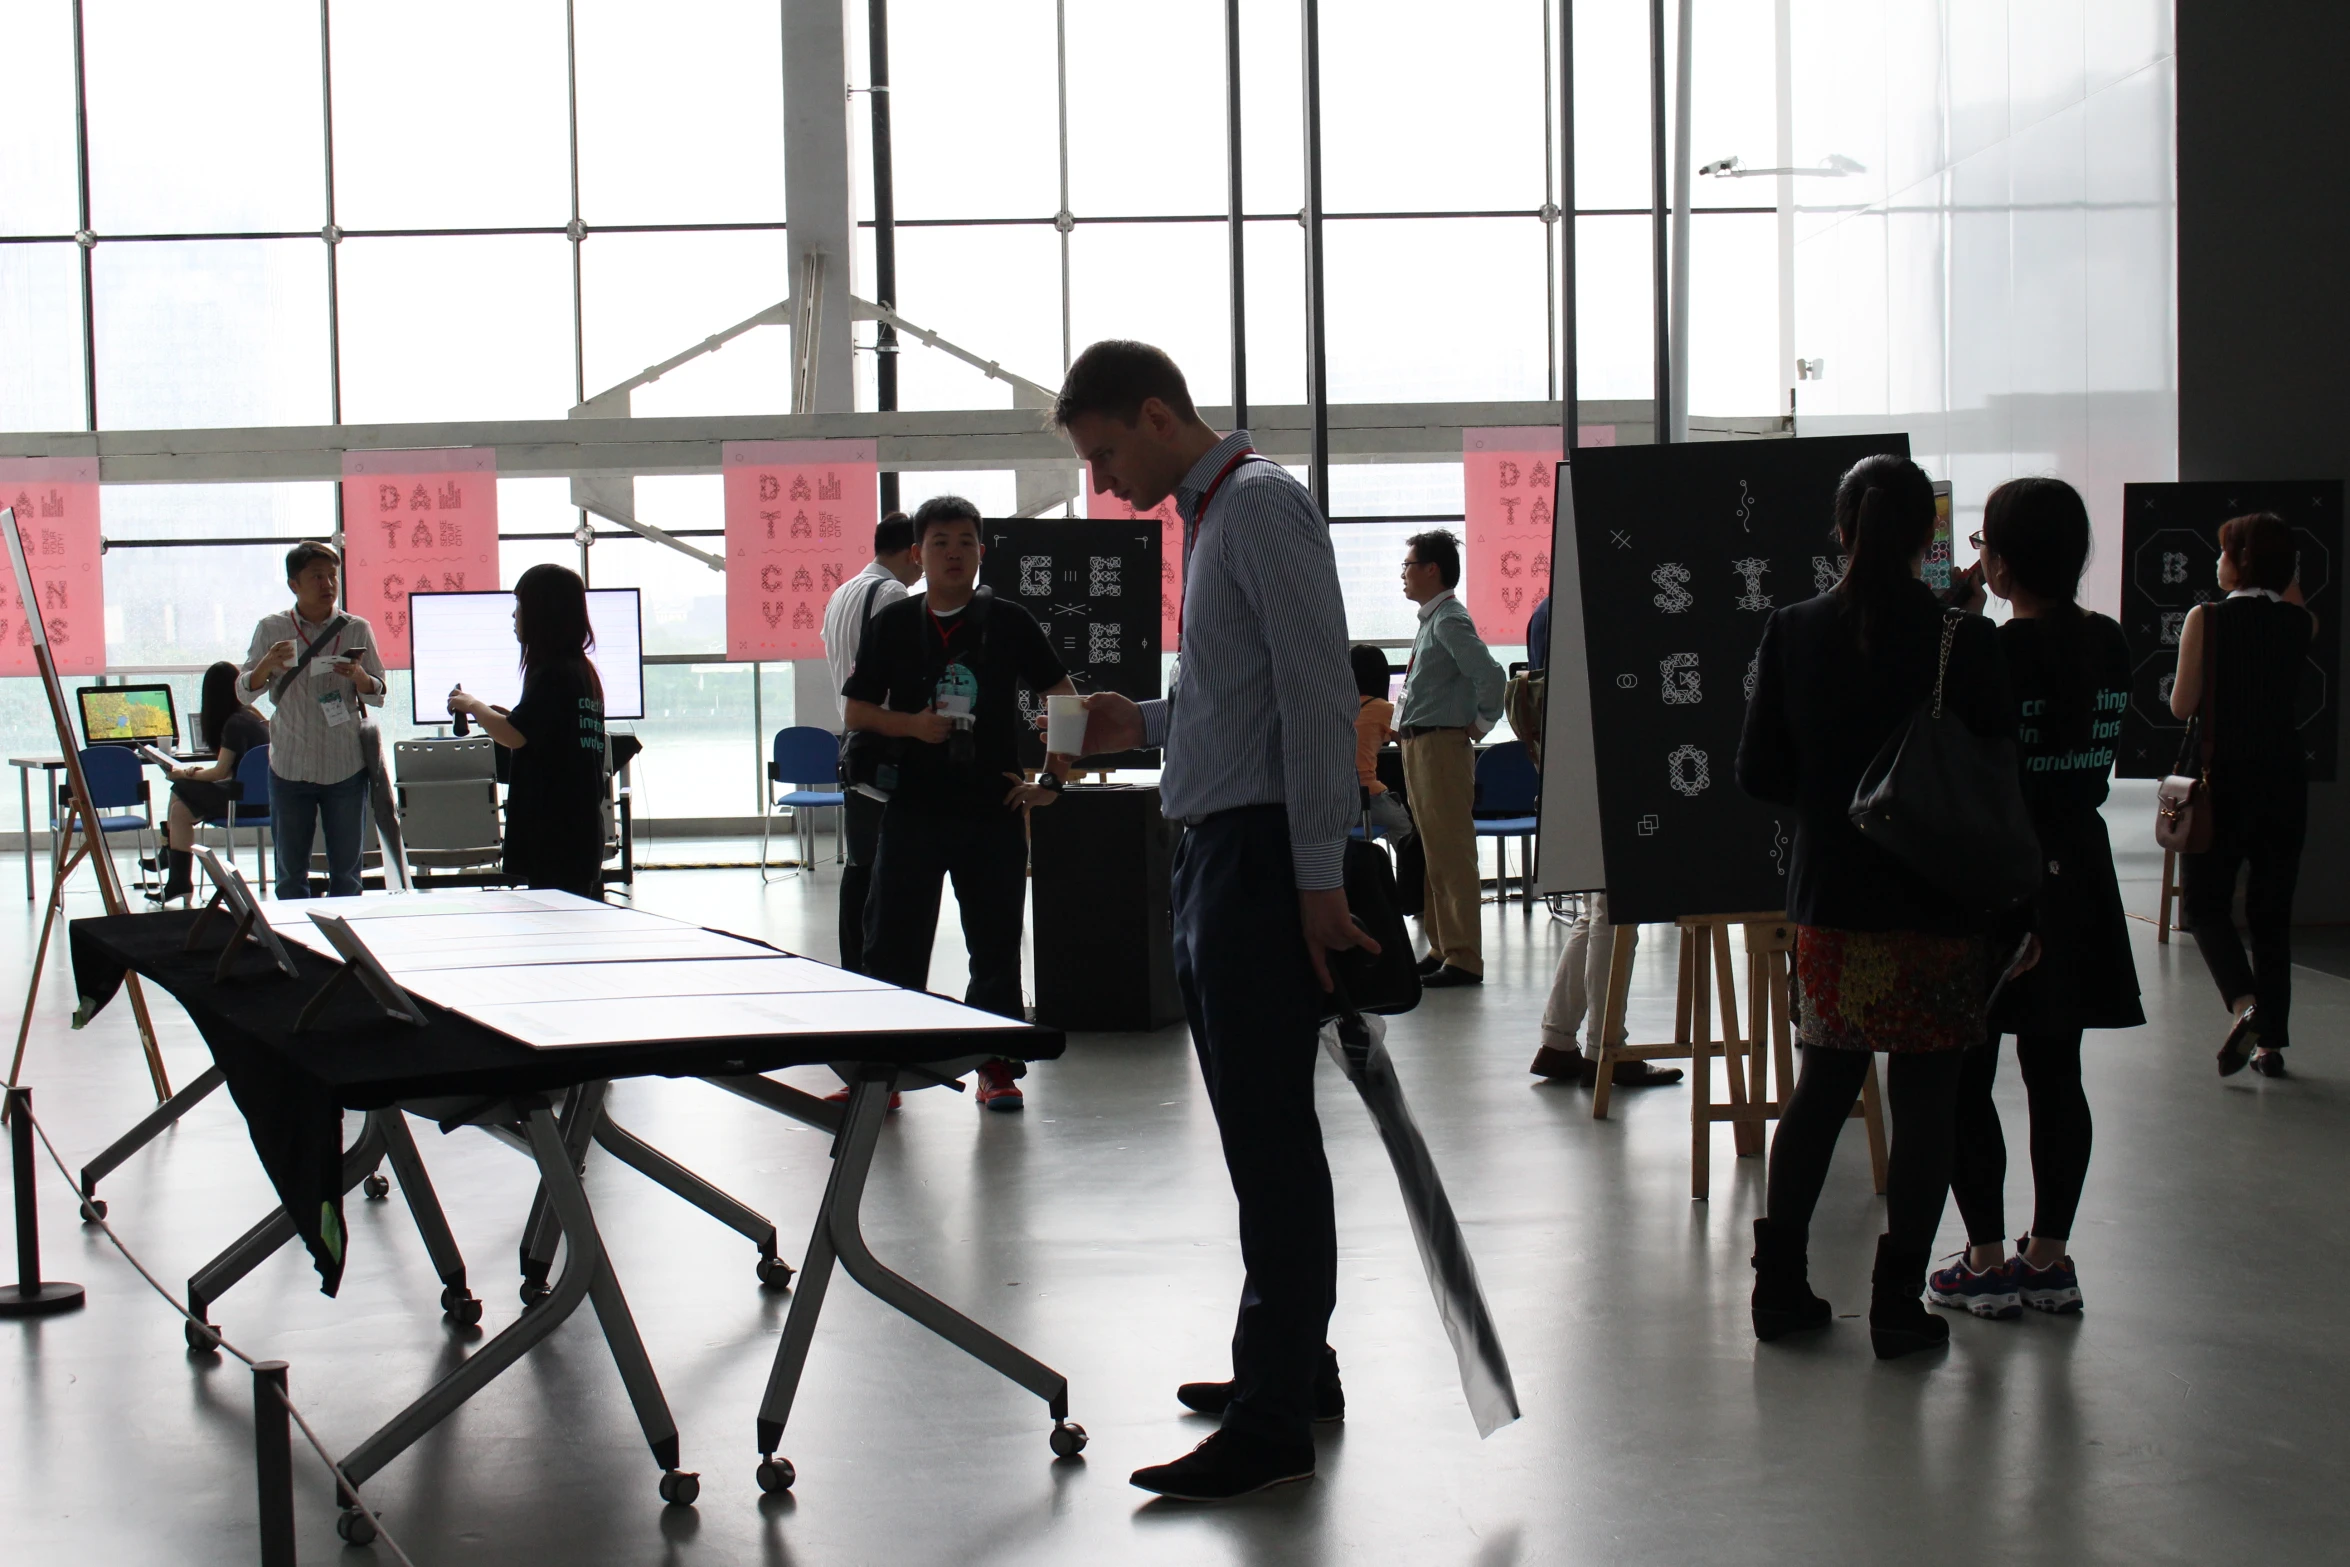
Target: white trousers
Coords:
[[1578, 990]]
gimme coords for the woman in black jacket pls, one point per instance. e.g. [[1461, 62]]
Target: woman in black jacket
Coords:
[[2071, 672], [2258, 642], [1883, 959]]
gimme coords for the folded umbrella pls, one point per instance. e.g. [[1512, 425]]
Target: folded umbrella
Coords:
[[1358, 1043]]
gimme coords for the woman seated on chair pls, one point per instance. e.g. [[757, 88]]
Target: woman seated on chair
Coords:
[[228, 729], [555, 796]]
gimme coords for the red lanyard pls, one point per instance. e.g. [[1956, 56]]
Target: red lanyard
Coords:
[[296, 618], [945, 633], [1217, 483]]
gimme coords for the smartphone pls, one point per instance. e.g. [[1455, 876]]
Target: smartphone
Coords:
[[1963, 587]]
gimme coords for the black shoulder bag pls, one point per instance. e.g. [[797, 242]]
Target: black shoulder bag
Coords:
[[1949, 804]]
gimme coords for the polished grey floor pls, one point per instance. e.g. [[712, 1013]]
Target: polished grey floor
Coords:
[[2199, 1412]]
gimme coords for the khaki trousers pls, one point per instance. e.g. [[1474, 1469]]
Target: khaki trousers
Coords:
[[1439, 777]]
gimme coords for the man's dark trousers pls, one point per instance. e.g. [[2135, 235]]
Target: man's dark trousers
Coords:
[[861, 824], [1255, 1014], [987, 856]]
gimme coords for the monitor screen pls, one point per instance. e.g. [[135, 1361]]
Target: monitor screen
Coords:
[[1395, 687], [128, 715], [467, 639]]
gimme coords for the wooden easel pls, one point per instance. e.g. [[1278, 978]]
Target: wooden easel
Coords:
[[1705, 965], [2174, 898], [81, 818]]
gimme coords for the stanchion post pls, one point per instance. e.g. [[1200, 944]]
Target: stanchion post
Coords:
[[31, 1297], [273, 1463]]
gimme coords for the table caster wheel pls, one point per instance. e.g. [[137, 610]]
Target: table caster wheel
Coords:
[[203, 1339], [679, 1487], [93, 1209], [1068, 1439], [459, 1306], [534, 1291], [356, 1526], [774, 1273], [776, 1474], [377, 1187]]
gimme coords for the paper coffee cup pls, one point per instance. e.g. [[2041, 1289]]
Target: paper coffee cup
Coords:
[[1064, 732]]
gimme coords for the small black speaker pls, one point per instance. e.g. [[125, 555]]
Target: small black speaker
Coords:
[[1105, 949]]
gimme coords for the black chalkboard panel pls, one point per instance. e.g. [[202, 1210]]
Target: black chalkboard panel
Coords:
[[1094, 588], [1685, 550], [2170, 564]]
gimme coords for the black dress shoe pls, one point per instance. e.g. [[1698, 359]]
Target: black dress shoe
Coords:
[[1213, 1398], [1448, 976], [1645, 1074], [2269, 1063], [2237, 1048], [1226, 1465], [1428, 965]]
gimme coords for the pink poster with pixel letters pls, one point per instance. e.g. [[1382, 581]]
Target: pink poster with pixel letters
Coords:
[[1510, 478], [1100, 505], [799, 522], [416, 522], [56, 504]]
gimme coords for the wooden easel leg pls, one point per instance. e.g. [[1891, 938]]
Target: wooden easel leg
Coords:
[[64, 857], [1697, 1007], [1745, 1135], [1611, 1018], [2170, 871], [1872, 1116]]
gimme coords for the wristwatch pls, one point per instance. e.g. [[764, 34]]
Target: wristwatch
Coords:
[[1052, 783]]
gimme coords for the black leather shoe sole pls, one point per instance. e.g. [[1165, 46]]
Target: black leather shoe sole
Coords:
[[1774, 1322], [2272, 1065], [1891, 1343], [2241, 1040], [1169, 1481], [1213, 1398], [1448, 976], [1645, 1074]]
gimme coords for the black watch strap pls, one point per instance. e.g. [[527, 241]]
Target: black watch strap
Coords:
[[1051, 781]]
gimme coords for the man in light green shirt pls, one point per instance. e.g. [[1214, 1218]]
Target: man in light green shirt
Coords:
[[1452, 695]]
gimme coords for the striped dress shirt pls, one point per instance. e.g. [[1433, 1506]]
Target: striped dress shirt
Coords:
[[303, 746], [1261, 710]]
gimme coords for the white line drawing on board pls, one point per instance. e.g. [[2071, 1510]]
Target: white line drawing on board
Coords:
[[1745, 507], [1681, 688], [1647, 825], [1779, 845], [1753, 672], [1689, 771], [1673, 577], [1827, 571], [1752, 569], [1627, 682]]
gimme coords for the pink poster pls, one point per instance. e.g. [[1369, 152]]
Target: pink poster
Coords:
[[1510, 477], [56, 504], [1100, 505], [799, 522], [416, 522]]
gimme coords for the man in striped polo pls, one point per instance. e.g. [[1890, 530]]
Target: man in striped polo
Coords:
[[1258, 733]]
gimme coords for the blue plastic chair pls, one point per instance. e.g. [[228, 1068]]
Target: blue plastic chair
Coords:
[[803, 754], [118, 790], [1508, 802], [250, 783]]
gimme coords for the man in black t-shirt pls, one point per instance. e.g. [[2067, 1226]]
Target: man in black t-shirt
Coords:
[[939, 674]]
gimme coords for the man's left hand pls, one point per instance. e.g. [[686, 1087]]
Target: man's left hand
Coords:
[[1330, 928], [1024, 793]]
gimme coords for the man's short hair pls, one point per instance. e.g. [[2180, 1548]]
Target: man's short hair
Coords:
[[1439, 547], [893, 535], [1115, 377], [302, 554], [940, 510]]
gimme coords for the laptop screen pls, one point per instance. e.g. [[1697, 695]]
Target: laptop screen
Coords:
[[128, 715]]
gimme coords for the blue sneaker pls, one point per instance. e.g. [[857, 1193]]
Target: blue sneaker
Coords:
[[1990, 1293], [2055, 1289]]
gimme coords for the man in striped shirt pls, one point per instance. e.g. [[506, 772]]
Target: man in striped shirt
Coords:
[[1258, 734]]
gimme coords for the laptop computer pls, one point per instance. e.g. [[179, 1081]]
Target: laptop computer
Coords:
[[128, 715]]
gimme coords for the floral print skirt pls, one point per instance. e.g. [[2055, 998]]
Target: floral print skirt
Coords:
[[1893, 990]]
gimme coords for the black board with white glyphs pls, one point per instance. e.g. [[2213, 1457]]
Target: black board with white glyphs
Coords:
[[1684, 552], [1094, 588]]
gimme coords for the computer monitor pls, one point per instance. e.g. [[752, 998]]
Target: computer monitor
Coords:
[[467, 639], [128, 715], [1395, 686]]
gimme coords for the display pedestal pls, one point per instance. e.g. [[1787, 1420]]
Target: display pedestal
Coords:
[[1105, 947]]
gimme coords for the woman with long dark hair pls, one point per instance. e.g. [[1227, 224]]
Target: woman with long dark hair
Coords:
[[2257, 640], [1884, 960], [555, 790], [228, 729], [2071, 671]]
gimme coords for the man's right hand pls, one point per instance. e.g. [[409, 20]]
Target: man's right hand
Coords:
[[1112, 723], [931, 728]]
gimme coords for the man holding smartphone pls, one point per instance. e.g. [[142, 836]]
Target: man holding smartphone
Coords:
[[319, 668]]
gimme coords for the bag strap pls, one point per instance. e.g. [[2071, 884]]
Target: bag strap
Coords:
[[865, 617], [1950, 620], [334, 629]]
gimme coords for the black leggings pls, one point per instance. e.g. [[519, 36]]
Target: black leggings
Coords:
[[2060, 1137], [1921, 1091]]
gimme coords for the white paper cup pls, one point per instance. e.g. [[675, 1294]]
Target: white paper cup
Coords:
[[1064, 731]]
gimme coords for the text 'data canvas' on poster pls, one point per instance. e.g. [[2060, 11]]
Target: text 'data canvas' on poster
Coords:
[[56, 505], [799, 522], [416, 522], [1508, 482], [1101, 506]]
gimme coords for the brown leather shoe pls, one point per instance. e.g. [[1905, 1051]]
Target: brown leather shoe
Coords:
[[1561, 1066], [1644, 1074]]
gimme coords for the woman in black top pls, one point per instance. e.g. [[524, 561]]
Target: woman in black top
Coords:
[[1884, 960], [2071, 671], [555, 788], [228, 729], [2257, 643]]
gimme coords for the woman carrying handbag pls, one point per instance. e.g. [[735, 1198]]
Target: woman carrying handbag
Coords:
[[2241, 663], [1887, 957]]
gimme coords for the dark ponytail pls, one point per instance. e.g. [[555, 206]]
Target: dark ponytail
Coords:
[[2039, 528], [1884, 521]]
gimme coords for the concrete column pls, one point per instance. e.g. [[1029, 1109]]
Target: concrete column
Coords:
[[817, 213]]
